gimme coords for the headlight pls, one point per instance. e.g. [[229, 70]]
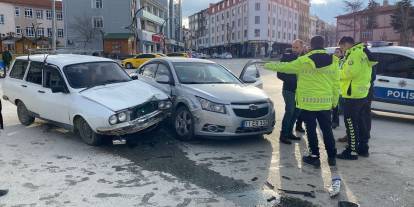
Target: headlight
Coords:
[[163, 105], [122, 117], [113, 119], [211, 106]]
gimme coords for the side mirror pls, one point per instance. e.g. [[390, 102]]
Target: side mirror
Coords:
[[163, 79], [134, 77], [58, 89], [250, 74], [249, 79]]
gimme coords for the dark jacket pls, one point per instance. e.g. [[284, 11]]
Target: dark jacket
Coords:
[[289, 80]]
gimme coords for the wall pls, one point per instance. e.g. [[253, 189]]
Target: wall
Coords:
[[8, 11]]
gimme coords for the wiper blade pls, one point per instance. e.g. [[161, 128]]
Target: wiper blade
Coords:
[[87, 88]]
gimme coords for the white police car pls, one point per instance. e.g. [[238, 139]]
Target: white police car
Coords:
[[394, 85]]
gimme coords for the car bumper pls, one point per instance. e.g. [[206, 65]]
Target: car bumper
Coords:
[[229, 125], [134, 126]]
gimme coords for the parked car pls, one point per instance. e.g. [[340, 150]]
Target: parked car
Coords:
[[178, 54], [138, 60], [215, 55], [226, 55], [209, 100], [92, 96]]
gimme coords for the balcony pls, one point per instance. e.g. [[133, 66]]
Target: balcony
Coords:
[[151, 17]]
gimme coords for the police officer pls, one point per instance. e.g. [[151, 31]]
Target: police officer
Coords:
[[316, 94], [356, 72]]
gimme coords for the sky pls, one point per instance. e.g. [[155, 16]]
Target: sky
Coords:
[[324, 9]]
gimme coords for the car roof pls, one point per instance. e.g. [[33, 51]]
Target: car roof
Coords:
[[181, 59], [400, 50], [62, 60]]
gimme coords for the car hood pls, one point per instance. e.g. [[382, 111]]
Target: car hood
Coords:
[[121, 96], [228, 93]]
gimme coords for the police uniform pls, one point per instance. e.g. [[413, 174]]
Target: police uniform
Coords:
[[355, 83], [316, 94]]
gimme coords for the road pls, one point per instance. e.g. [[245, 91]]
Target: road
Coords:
[[43, 165]]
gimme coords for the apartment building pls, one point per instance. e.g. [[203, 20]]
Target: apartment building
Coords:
[[249, 27], [154, 25], [27, 24]]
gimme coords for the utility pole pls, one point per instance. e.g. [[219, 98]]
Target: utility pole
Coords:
[[53, 26]]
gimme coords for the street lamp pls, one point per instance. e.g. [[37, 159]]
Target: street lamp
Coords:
[[133, 26]]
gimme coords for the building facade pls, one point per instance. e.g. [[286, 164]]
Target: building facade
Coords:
[[27, 24], [154, 22], [248, 28], [383, 31], [324, 29]]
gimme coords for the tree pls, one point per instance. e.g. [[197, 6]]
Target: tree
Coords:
[[84, 28], [353, 7], [403, 20], [371, 22]]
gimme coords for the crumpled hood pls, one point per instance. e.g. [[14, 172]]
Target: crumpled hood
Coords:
[[228, 93], [121, 96]]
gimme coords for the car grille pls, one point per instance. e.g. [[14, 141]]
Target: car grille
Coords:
[[144, 109], [248, 113]]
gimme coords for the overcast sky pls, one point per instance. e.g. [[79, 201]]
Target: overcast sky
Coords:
[[325, 9]]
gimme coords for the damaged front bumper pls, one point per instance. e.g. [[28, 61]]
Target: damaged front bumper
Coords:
[[135, 125]]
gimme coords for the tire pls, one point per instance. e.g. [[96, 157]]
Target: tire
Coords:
[[128, 66], [23, 114], [87, 134], [183, 124]]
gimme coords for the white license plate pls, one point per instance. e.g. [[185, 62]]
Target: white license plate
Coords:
[[255, 123]]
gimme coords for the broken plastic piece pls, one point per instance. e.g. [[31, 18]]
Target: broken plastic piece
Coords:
[[254, 179], [347, 204], [271, 199], [335, 187], [286, 177], [269, 185], [310, 194], [118, 141], [3, 192]]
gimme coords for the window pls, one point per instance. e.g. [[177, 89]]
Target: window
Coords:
[[257, 6], [18, 70], [257, 19], [97, 4], [28, 13], [239, 23], [40, 32], [34, 75], [1, 18], [149, 70], [49, 14], [29, 31], [49, 32], [274, 21], [273, 33], [257, 32], [59, 16], [60, 33], [245, 33], [39, 14], [394, 66], [163, 70], [278, 35], [146, 56], [18, 30], [98, 22], [52, 78], [16, 11], [246, 20]]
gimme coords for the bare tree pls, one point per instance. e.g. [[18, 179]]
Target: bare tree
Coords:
[[403, 20], [353, 7], [372, 14], [84, 28]]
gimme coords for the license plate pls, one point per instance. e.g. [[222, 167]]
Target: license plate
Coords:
[[255, 123]]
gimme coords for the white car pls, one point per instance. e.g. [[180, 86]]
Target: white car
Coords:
[[92, 96], [226, 55], [394, 85]]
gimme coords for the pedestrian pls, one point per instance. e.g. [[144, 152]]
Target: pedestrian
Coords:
[[316, 94], [355, 81], [335, 111], [7, 58], [288, 92]]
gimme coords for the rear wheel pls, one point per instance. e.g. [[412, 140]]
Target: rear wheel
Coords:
[[23, 114], [128, 66], [184, 124], [87, 134]]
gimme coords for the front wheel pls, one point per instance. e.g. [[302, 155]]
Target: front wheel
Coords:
[[87, 134], [23, 114], [184, 124]]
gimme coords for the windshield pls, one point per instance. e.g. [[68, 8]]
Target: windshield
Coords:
[[203, 73], [86, 75]]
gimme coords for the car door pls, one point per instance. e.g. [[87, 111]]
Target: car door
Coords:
[[251, 75], [33, 82], [163, 72], [394, 85], [14, 86], [147, 72], [54, 106]]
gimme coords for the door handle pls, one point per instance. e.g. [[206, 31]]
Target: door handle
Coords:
[[383, 80], [41, 91], [24, 86]]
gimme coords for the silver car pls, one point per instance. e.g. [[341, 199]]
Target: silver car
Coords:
[[209, 100]]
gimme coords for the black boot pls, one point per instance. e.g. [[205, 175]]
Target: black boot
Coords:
[[312, 160], [300, 129], [347, 154], [293, 137], [332, 161], [364, 152], [284, 140]]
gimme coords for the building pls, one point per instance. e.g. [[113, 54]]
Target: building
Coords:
[[199, 36], [324, 29], [362, 33], [304, 19], [27, 24], [312, 26], [175, 26], [248, 28]]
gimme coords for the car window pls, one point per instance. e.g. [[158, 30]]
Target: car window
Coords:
[[18, 70], [149, 70], [34, 75], [393, 65], [162, 70], [146, 56], [203, 73], [52, 77], [140, 56]]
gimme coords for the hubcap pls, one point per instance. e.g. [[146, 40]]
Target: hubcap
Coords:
[[183, 123]]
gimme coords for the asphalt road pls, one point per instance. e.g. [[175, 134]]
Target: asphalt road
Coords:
[[43, 165]]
